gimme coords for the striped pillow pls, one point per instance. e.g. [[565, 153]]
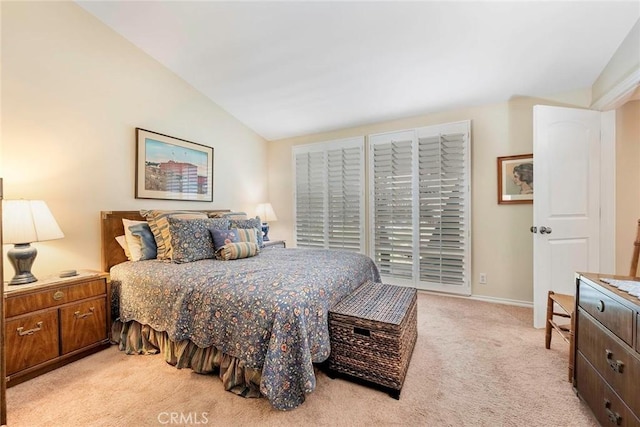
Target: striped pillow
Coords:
[[238, 250], [248, 223], [247, 235]]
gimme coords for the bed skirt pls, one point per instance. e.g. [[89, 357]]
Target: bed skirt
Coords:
[[135, 338]]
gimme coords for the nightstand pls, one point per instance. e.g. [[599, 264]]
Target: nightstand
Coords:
[[275, 243], [55, 321]]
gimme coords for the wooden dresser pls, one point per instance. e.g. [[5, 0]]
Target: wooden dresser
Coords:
[[607, 350], [54, 321]]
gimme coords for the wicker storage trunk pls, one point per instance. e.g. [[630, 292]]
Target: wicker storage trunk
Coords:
[[373, 331]]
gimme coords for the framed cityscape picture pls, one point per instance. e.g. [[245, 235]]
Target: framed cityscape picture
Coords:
[[170, 168]]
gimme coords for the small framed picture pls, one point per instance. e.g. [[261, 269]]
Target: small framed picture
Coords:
[[171, 168], [515, 179]]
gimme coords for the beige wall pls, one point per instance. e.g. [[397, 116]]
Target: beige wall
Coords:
[[73, 91], [627, 182], [502, 245]]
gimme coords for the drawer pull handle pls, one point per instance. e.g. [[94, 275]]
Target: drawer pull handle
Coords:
[[614, 417], [615, 365], [600, 306], [58, 295], [83, 315], [22, 332]]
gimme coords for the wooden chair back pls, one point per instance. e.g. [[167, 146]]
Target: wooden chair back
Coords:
[[636, 254]]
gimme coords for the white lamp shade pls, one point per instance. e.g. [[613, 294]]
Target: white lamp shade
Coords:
[[266, 213], [27, 221]]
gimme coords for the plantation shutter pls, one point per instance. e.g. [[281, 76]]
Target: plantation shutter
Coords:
[[344, 201], [310, 187], [443, 199], [420, 206], [392, 199], [329, 199]]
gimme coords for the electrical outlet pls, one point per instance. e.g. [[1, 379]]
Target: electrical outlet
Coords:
[[483, 278]]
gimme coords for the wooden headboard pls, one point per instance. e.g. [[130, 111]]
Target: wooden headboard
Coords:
[[111, 227]]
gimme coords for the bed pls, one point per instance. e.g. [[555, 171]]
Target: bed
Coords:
[[260, 323]]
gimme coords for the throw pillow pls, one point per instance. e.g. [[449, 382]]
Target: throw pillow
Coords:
[[249, 223], [122, 241], [191, 239], [223, 237], [148, 242], [237, 250], [133, 242]]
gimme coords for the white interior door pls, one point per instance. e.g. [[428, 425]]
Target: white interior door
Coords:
[[566, 152]]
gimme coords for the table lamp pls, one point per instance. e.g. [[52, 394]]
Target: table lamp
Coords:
[[25, 222], [266, 214]]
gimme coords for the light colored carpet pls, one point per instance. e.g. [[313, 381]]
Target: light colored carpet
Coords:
[[474, 364]]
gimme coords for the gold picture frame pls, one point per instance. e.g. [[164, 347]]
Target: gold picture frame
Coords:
[[515, 179], [170, 168]]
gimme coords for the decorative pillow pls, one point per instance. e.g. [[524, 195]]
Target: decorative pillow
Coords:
[[147, 241], [223, 237], [133, 242], [235, 215], [249, 223], [157, 220], [122, 241], [238, 250], [247, 235], [232, 235], [191, 239]]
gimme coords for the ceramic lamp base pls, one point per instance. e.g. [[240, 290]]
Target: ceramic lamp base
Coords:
[[21, 257], [265, 231]]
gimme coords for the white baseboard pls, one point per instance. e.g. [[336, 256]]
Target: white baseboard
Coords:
[[528, 304], [516, 302]]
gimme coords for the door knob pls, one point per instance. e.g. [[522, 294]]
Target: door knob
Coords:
[[534, 229], [545, 230]]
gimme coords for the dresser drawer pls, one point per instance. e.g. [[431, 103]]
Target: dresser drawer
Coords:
[[31, 340], [615, 362], [83, 324], [62, 320], [613, 315], [54, 296], [603, 401]]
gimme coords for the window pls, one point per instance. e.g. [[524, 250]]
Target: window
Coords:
[[329, 195], [419, 202]]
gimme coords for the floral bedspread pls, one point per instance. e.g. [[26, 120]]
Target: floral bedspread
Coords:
[[270, 311]]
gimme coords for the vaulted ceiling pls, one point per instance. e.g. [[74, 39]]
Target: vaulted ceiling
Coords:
[[293, 68]]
